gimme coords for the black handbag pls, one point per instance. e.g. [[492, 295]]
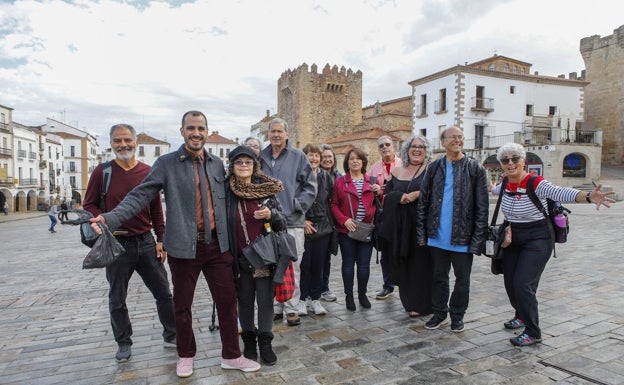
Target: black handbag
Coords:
[[363, 230]]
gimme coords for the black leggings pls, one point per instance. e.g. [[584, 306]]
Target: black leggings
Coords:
[[523, 263]]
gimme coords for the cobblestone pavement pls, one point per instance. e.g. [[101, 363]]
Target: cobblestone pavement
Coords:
[[55, 325]]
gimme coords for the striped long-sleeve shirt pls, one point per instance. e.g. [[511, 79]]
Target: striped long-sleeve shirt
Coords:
[[518, 207]]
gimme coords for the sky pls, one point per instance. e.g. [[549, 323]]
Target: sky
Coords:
[[93, 64]]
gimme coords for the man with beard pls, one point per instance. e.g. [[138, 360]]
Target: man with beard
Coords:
[[196, 239], [142, 255]]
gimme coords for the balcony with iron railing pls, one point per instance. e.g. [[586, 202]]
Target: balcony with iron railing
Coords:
[[6, 152], [530, 137], [32, 155], [21, 153], [5, 127], [28, 182], [482, 104], [440, 106], [421, 110], [8, 181]]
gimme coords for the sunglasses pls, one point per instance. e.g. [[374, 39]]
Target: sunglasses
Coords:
[[382, 145], [514, 159]]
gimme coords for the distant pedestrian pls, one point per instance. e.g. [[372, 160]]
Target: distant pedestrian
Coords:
[[52, 214], [63, 213], [6, 208], [254, 144]]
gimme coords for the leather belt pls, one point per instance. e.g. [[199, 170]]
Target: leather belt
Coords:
[[201, 235]]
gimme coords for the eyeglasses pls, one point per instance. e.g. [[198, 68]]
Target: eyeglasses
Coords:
[[514, 159], [252, 145], [417, 147], [382, 145], [246, 163], [454, 137]]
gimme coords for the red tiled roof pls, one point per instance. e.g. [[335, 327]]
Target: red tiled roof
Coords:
[[143, 138], [215, 138]]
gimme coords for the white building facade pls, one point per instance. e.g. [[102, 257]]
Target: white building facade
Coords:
[[496, 101]]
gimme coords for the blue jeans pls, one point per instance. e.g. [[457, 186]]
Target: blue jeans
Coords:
[[355, 253], [53, 222], [462, 267], [140, 256]]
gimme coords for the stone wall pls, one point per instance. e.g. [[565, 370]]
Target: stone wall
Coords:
[[604, 96], [319, 106]]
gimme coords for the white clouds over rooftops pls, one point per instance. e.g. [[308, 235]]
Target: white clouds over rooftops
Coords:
[[145, 63]]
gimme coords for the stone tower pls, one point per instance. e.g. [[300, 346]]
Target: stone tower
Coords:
[[321, 106], [604, 96]]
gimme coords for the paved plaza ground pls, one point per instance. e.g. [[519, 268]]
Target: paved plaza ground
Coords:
[[55, 326]]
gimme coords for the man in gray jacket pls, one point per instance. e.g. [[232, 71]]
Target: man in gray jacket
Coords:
[[196, 238], [291, 166]]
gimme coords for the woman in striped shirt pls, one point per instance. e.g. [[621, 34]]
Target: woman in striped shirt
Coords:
[[353, 199], [525, 258]]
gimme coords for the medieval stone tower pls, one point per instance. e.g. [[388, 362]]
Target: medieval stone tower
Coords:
[[604, 96], [319, 106]]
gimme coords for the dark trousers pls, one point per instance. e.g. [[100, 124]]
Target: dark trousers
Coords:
[[218, 271], [140, 256], [312, 267], [385, 271], [523, 264], [462, 266], [250, 290], [355, 253]]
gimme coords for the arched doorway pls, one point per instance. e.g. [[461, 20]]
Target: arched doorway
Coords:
[[574, 166]]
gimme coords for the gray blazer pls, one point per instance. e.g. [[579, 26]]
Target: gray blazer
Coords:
[[175, 175]]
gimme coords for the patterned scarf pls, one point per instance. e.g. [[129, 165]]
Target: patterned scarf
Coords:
[[261, 186]]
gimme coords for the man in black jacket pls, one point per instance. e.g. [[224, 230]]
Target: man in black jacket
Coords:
[[452, 217]]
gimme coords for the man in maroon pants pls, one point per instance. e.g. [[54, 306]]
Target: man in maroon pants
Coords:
[[196, 238]]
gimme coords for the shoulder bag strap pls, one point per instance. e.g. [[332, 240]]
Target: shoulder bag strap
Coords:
[[498, 202], [243, 224]]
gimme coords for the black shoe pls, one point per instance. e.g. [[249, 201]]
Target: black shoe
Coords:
[[384, 293], [457, 326], [277, 317], [123, 353], [364, 301], [292, 319], [434, 322], [350, 302]]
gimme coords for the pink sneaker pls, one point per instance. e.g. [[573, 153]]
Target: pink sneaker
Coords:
[[185, 367], [241, 363]]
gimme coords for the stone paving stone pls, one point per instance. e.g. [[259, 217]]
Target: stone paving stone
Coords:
[[60, 320]]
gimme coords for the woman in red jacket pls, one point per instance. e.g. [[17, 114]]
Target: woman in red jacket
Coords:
[[353, 198]]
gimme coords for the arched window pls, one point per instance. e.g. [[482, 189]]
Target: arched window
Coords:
[[506, 67], [491, 67], [574, 166]]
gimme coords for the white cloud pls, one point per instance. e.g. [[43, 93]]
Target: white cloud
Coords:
[[145, 63]]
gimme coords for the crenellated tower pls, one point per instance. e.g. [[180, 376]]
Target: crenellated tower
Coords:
[[604, 96], [319, 106]]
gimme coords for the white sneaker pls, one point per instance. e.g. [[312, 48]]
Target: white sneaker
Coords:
[[328, 296], [317, 308], [302, 309]]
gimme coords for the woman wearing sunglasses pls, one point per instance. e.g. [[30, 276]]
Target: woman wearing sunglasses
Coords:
[[251, 205], [525, 258]]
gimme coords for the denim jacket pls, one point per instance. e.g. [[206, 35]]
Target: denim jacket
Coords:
[[174, 173]]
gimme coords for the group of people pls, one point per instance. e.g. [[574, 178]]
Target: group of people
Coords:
[[431, 215]]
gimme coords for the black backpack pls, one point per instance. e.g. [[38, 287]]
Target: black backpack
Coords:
[[88, 236], [560, 234]]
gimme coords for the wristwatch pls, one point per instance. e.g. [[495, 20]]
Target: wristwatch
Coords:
[[588, 198]]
